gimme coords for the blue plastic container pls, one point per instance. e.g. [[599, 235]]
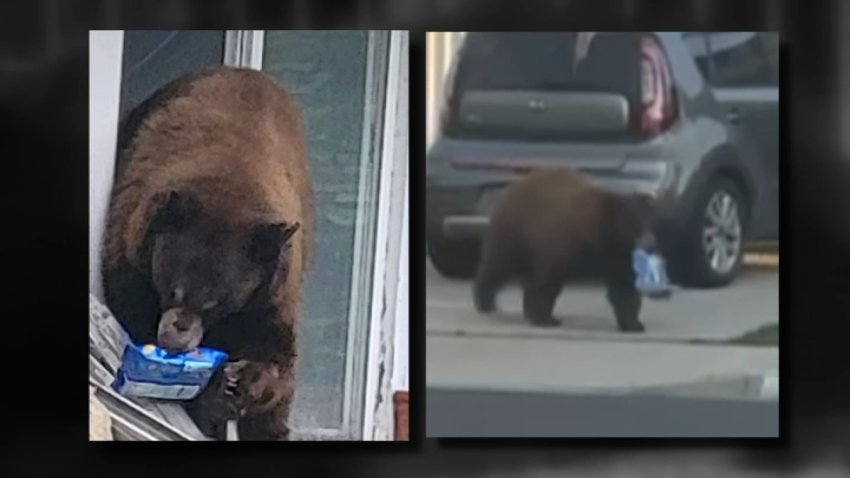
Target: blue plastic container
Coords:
[[651, 275], [150, 372]]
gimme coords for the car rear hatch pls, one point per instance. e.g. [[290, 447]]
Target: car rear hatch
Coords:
[[575, 87], [514, 102]]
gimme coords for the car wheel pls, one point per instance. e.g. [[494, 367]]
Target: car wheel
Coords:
[[714, 239], [453, 258]]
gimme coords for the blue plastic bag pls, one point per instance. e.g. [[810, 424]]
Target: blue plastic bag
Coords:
[[651, 275], [150, 372]]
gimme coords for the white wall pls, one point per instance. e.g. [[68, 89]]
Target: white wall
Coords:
[[105, 48], [401, 360], [382, 371], [441, 48], [430, 87]]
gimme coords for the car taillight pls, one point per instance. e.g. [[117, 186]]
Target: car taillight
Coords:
[[647, 81], [657, 108]]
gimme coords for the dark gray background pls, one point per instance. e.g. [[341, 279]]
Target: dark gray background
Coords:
[[50, 98]]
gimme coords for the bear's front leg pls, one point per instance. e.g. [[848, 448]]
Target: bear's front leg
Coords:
[[266, 426], [266, 390], [626, 301], [219, 402]]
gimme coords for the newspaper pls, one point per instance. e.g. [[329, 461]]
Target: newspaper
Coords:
[[133, 418]]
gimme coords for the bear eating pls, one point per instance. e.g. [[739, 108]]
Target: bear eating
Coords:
[[209, 236], [553, 227]]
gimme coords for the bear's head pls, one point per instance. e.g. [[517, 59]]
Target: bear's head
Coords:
[[203, 270], [635, 219]]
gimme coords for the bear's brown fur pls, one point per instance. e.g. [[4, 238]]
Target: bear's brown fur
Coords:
[[232, 139], [554, 226]]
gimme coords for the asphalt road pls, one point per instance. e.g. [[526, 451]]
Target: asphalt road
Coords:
[[479, 414]]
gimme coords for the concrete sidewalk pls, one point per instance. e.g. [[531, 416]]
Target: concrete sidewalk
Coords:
[[691, 315], [682, 351], [570, 366]]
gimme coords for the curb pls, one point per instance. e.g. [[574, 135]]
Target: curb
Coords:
[[761, 261], [752, 386], [770, 385]]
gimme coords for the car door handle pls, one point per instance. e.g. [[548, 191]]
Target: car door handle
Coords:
[[733, 115]]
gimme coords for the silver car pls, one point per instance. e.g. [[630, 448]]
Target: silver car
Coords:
[[690, 117]]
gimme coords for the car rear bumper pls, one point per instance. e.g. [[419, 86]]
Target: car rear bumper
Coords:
[[467, 226], [461, 213], [474, 226]]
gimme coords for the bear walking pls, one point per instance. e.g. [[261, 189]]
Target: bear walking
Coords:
[[553, 227]]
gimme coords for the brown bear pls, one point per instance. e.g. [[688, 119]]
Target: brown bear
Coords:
[[553, 227], [209, 235]]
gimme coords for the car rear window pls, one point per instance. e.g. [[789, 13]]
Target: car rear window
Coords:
[[594, 62], [546, 61]]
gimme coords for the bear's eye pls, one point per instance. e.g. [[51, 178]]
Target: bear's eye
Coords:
[[177, 295], [209, 304]]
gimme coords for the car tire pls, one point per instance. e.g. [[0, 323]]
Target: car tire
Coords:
[[453, 259], [713, 239]]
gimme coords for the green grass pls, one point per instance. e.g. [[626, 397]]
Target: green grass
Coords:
[[765, 335]]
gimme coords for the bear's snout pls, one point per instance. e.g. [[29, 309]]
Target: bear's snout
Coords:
[[179, 331]]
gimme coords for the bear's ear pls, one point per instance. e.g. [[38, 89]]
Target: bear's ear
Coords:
[[269, 239], [178, 210]]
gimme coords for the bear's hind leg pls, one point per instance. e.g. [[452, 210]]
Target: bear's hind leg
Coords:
[[540, 291], [484, 290], [494, 271]]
